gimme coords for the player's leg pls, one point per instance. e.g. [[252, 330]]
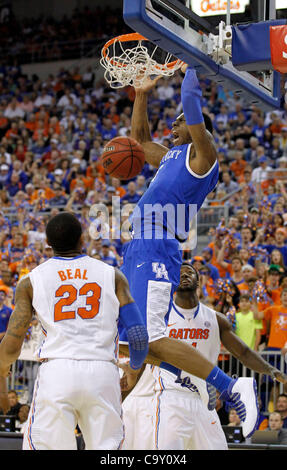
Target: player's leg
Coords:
[[100, 412], [153, 277], [52, 419], [183, 422], [137, 417], [172, 420], [207, 432]]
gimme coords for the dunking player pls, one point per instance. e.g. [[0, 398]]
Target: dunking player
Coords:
[[181, 414], [152, 260], [78, 301]]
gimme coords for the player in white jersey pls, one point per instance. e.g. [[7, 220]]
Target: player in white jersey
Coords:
[[180, 410], [78, 301]]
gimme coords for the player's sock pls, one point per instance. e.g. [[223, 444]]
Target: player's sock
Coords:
[[218, 379]]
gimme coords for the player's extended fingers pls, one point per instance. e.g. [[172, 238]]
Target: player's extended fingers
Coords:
[[281, 377], [183, 68], [124, 384], [147, 83]]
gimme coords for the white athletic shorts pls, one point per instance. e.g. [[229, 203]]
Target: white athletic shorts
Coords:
[[183, 422], [69, 392], [138, 421]]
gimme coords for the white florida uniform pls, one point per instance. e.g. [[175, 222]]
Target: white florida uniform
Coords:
[[180, 418], [78, 382]]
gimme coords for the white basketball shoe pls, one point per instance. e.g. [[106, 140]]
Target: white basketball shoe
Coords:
[[242, 396]]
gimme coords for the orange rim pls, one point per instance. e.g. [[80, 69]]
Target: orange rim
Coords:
[[127, 38]]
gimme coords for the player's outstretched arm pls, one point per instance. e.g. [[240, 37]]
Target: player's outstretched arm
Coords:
[[243, 353], [10, 346], [203, 142], [140, 129]]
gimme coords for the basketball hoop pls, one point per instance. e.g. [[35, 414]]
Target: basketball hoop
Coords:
[[127, 61]]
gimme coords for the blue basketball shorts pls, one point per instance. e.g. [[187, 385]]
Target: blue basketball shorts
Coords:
[[152, 268]]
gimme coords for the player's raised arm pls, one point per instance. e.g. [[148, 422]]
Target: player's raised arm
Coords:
[[10, 346], [140, 129], [203, 142]]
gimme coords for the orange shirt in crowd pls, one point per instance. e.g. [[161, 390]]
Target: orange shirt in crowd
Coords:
[[261, 307], [3, 122], [48, 194], [276, 296], [40, 116], [56, 128], [237, 167], [120, 191], [10, 132], [38, 133], [263, 425], [101, 175], [3, 287], [277, 316], [31, 125], [88, 182], [242, 286]]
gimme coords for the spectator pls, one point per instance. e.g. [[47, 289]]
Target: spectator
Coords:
[[228, 185], [107, 254], [279, 243], [281, 407], [247, 324], [238, 165], [141, 184], [4, 174], [233, 418], [261, 173], [207, 256], [275, 423], [275, 318], [59, 199], [15, 405], [131, 196]]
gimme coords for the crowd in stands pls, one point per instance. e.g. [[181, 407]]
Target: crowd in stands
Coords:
[[52, 133], [47, 38]]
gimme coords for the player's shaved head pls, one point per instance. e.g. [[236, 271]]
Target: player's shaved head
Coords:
[[63, 232]]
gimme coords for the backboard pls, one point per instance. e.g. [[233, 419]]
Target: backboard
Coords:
[[176, 28]]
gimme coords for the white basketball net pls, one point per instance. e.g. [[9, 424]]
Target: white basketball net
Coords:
[[131, 66]]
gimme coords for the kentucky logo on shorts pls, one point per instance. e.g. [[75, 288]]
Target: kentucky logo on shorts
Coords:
[[160, 271]]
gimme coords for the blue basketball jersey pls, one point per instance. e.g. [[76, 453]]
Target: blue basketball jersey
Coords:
[[174, 196]]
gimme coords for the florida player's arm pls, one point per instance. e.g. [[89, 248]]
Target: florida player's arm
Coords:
[[243, 353], [140, 129], [19, 322], [205, 153]]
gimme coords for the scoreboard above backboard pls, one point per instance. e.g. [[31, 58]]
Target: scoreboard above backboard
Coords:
[[217, 7]]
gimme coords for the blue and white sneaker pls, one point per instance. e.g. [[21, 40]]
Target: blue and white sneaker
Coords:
[[242, 396]]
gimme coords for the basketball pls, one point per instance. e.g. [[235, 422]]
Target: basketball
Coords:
[[123, 157]]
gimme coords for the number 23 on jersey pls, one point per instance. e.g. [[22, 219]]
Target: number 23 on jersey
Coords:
[[68, 294]]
